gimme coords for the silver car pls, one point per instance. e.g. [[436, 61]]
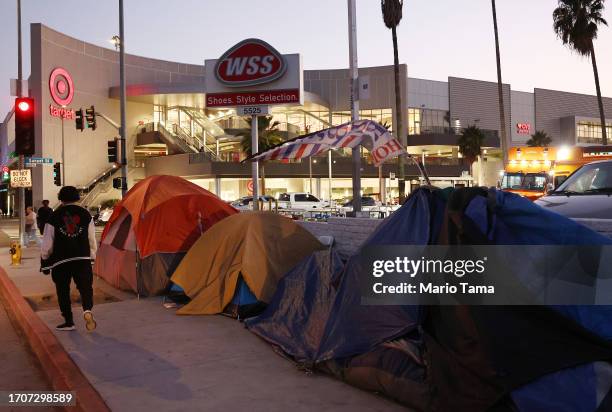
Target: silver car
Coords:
[[587, 193]]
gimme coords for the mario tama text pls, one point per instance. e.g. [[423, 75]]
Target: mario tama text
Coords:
[[419, 268], [485, 275]]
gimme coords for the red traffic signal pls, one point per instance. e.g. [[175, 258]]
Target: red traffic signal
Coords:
[[23, 105], [24, 126]]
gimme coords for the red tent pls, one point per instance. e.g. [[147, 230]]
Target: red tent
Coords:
[[152, 228]]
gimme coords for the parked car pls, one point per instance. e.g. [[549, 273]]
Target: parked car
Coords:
[[245, 202], [368, 204], [300, 201], [587, 193], [103, 216]]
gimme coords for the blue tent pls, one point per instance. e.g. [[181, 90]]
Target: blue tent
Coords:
[[450, 358]]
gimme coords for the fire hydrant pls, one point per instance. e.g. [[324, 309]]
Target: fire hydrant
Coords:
[[15, 252]]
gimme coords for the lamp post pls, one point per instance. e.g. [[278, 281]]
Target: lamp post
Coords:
[[122, 102], [354, 98]]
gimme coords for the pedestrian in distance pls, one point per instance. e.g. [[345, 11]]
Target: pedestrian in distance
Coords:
[[30, 220], [44, 213], [67, 252]]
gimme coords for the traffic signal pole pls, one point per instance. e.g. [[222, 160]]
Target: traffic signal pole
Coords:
[[21, 190], [63, 156], [122, 103]]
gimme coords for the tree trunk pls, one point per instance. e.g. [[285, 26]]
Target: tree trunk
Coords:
[[602, 116], [500, 92], [398, 118]]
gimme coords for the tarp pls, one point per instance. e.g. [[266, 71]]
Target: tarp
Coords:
[[151, 229], [259, 246], [295, 318]]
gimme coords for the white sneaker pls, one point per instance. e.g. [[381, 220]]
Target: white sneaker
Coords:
[[90, 323]]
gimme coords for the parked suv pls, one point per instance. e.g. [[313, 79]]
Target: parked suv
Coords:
[[300, 201], [586, 193], [246, 202]]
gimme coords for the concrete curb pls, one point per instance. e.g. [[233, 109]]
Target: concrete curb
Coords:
[[60, 369]]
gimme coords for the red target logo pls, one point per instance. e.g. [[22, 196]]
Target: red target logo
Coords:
[[61, 86]]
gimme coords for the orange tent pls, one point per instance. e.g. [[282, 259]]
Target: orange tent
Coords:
[[152, 228]]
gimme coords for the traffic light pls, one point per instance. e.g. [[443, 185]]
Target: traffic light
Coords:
[[90, 117], [79, 120], [24, 126], [112, 151], [117, 182], [57, 174]]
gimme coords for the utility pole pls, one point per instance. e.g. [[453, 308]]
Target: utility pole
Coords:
[[124, 170], [354, 98], [21, 190]]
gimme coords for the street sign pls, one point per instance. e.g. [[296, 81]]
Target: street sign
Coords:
[[21, 178], [38, 160], [252, 110], [35, 161]]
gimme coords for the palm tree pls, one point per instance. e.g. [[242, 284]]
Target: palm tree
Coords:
[[269, 136], [576, 23], [470, 144], [539, 139], [392, 15], [500, 90]]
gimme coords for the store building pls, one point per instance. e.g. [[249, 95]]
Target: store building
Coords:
[[172, 131]]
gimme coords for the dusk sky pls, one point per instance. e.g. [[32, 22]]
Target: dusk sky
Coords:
[[437, 39]]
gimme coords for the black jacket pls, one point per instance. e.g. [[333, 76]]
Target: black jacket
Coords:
[[69, 235]]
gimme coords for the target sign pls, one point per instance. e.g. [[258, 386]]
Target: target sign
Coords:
[[61, 86], [250, 186]]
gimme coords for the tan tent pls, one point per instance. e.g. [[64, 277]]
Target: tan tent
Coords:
[[260, 247]]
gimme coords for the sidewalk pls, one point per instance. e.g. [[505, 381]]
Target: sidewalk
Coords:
[[143, 357]]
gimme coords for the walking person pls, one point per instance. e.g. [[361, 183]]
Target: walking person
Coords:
[[68, 249], [30, 220], [44, 213]]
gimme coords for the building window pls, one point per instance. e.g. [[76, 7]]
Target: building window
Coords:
[[159, 114], [590, 132], [427, 121]]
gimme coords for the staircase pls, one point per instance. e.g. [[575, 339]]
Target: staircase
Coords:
[[211, 129], [102, 183], [179, 140]]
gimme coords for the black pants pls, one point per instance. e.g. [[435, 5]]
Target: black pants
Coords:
[[80, 271]]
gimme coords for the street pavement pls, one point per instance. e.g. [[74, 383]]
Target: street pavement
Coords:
[[144, 357], [20, 369]]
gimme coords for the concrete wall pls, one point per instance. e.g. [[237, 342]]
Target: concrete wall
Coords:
[[333, 87], [94, 70], [348, 233], [427, 94], [522, 110], [552, 105], [472, 100]]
